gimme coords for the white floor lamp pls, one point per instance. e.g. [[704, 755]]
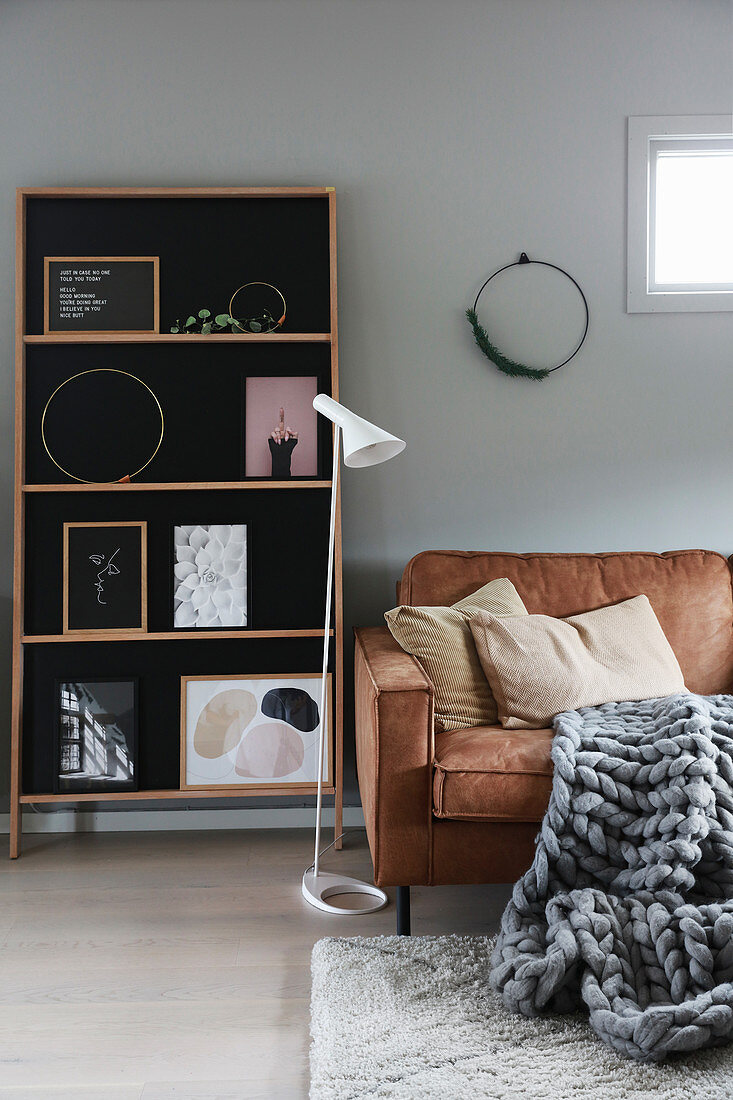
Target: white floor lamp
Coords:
[[364, 445]]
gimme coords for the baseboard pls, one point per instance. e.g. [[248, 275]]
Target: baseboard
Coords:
[[65, 821]]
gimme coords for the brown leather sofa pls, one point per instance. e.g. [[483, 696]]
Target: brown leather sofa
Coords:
[[464, 806]]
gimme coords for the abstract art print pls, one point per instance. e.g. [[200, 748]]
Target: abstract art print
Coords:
[[280, 428], [96, 735], [104, 581], [210, 584], [258, 732]]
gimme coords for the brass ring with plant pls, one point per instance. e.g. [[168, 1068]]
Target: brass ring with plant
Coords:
[[202, 323], [262, 322]]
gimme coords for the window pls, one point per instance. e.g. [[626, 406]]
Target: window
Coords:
[[680, 229], [70, 734]]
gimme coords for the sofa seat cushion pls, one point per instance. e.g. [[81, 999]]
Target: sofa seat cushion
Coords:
[[487, 773]]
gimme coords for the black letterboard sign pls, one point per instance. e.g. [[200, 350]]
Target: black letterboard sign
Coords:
[[104, 294]]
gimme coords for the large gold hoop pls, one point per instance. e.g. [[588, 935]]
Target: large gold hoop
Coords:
[[278, 324], [101, 370]]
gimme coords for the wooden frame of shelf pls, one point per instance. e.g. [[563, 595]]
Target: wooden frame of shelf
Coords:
[[169, 486], [167, 635], [20, 639], [177, 338], [211, 793]]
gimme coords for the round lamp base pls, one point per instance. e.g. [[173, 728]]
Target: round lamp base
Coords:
[[318, 888]]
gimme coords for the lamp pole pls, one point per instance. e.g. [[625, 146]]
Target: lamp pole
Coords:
[[327, 639]]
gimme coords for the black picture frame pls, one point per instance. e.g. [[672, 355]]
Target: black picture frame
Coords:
[[175, 581], [92, 756], [318, 428], [105, 577]]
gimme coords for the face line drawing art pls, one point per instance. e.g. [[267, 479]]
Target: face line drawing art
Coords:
[[110, 570]]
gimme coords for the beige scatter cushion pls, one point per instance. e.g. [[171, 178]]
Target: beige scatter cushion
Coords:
[[440, 638], [538, 666]]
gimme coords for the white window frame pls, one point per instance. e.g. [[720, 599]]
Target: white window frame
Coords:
[[648, 134]]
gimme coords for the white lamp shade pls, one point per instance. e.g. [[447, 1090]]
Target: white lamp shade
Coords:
[[364, 443]]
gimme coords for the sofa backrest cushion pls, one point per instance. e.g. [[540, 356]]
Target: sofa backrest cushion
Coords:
[[539, 666], [690, 591]]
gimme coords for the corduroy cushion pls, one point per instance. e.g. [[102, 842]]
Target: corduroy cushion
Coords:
[[538, 666], [440, 638]]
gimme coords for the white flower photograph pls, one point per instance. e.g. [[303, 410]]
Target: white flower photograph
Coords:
[[210, 576]]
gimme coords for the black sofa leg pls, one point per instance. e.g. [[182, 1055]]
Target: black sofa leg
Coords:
[[403, 910]]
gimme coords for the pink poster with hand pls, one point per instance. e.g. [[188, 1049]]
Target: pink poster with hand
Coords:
[[280, 432]]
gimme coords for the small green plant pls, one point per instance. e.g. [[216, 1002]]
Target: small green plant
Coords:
[[203, 325], [264, 322]]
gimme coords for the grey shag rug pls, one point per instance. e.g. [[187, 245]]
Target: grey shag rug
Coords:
[[414, 1017]]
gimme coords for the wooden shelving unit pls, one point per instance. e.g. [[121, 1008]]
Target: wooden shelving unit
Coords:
[[39, 646]]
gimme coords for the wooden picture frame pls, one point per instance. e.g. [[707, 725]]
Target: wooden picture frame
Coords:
[[119, 750], [132, 329], [79, 601], [251, 724]]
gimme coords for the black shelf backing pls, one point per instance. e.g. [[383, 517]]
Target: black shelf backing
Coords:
[[208, 246], [288, 546], [159, 668], [200, 391]]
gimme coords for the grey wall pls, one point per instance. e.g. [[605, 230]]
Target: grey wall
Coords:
[[456, 133]]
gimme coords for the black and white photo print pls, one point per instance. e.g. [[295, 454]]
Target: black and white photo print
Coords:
[[210, 582], [96, 735]]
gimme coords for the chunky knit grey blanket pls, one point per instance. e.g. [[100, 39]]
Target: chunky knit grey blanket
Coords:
[[627, 909]]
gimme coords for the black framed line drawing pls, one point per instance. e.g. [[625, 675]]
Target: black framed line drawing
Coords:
[[96, 735], [211, 587], [105, 577]]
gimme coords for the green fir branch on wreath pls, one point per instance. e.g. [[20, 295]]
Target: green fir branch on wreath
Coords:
[[508, 366]]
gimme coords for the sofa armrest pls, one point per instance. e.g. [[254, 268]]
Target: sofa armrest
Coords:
[[394, 752]]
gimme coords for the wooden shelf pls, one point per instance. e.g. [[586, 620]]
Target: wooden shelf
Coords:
[[170, 486], [36, 656], [309, 192], [175, 338], [168, 635], [149, 796]]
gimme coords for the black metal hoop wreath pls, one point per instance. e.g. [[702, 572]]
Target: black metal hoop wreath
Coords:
[[509, 366]]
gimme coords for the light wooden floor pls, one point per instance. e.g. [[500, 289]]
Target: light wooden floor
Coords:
[[175, 966]]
